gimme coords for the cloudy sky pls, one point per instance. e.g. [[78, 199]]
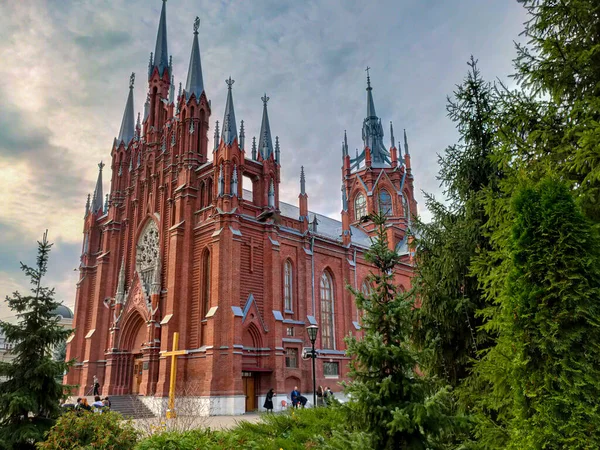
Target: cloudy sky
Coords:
[[65, 66]]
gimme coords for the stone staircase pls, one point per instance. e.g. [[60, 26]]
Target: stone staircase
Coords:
[[130, 406]]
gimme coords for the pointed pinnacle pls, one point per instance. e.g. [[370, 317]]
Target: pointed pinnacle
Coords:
[[393, 141], [216, 143], [405, 143], [302, 181]]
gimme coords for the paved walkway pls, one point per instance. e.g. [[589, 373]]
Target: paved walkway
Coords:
[[189, 423]]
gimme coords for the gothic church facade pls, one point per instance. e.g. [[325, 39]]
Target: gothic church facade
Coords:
[[195, 240]]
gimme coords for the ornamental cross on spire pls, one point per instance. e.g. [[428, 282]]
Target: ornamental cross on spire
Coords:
[[196, 24], [101, 166], [229, 82], [131, 80], [265, 99], [368, 77]]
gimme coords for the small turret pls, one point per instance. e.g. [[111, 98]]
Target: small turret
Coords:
[[216, 143], [87, 206], [254, 148], [303, 202], [97, 199], [265, 143], [229, 133], [242, 136], [277, 150], [406, 153]]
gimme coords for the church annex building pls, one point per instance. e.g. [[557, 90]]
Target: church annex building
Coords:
[[195, 240]]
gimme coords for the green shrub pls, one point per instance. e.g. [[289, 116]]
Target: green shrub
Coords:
[[106, 431], [322, 428]]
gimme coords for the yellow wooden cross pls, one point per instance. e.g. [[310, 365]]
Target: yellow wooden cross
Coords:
[[173, 354]]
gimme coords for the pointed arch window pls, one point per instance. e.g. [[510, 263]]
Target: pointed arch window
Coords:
[[326, 311], [205, 283], [360, 207], [288, 283], [385, 203], [202, 195], [405, 208]]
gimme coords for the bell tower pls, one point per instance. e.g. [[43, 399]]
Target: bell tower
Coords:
[[376, 180]]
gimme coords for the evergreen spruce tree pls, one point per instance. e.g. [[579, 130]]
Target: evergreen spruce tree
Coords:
[[401, 408], [30, 395], [558, 70], [449, 294], [550, 327]]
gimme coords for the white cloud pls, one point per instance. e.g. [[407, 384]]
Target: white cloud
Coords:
[[66, 67]]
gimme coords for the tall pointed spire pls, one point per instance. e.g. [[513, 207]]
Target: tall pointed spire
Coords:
[[127, 131], [370, 104], [392, 140], [405, 143], [372, 134], [302, 181], [195, 84], [97, 200], [265, 143], [161, 53], [229, 132]]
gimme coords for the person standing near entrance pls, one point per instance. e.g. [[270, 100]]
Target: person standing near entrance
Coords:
[[269, 400], [96, 386], [295, 397]]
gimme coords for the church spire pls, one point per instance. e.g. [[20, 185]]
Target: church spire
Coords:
[[370, 104], [229, 132], [345, 145], [372, 134], [195, 84], [265, 143], [97, 201], [405, 143], [127, 131], [392, 140], [161, 53]]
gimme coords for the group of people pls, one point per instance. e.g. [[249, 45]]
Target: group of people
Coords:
[[98, 406], [324, 395]]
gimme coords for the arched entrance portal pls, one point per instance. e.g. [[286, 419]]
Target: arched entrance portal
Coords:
[[253, 374], [134, 337]]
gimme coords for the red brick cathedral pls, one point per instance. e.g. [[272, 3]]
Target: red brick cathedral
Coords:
[[196, 240]]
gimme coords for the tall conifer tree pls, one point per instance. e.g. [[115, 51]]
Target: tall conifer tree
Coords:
[[549, 327], [30, 396], [448, 293], [400, 408]]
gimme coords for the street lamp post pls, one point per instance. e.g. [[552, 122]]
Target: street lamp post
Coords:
[[312, 335]]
